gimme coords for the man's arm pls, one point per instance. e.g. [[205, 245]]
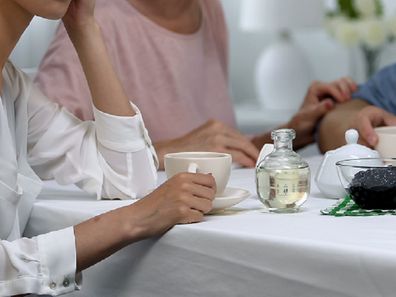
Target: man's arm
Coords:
[[357, 114], [335, 123]]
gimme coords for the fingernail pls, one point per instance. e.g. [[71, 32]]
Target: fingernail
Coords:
[[328, 104], [372, 140]]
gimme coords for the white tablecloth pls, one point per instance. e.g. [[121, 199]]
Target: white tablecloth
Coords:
[[242, 252]]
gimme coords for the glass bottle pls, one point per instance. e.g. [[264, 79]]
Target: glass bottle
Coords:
[[283, 177]]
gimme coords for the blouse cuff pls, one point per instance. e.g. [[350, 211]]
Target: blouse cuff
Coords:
[[58, 262], [123, 134]]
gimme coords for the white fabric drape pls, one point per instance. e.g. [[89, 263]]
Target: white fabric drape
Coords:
[[112, 157]]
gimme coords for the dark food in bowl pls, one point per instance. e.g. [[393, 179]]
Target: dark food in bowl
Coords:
[[374, 188]]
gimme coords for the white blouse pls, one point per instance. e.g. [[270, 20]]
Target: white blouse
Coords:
[[112, 157]]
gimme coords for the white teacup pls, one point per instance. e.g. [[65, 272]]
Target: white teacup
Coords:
[[386, 141], [218, 164]]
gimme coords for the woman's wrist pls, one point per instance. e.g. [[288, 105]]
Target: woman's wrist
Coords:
[[136, 224], [84, 30]]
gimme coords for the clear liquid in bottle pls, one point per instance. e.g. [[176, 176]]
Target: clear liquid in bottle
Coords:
[[283, 177]]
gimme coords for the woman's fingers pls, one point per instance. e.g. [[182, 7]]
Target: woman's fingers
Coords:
[[192, 216], [201, 204], [243, 151], [242, 159], [328, 89], [229, 140], [206, 180], [352, 84], [344, 87], [201, 191], [340, 90]]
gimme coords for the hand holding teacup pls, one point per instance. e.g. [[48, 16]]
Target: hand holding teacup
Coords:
[[217, 164]]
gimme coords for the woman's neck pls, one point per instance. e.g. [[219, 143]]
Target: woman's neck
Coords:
[[181, 16], [13, 22]]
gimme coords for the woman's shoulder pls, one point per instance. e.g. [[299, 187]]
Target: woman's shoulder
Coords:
[[215, 18], [214, 9]]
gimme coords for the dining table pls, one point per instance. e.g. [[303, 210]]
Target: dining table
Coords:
[[242, 251]]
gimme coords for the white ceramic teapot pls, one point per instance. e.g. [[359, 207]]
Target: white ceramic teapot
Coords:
[[327, 177]]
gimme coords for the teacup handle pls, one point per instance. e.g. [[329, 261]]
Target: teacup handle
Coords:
[[192, 168]]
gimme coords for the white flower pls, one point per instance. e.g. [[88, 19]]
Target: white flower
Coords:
[[391, 25], [373, 32], [331, 23], [367, 8], [346, 32]]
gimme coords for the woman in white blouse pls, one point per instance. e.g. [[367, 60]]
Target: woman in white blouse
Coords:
[[112, 157]]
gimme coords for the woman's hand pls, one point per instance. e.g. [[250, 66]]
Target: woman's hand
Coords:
[[320, 99], [79, 15], [184, 198], [213, 136]]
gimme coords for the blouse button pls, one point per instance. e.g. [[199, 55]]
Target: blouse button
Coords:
[[52, 285], [66, 282]]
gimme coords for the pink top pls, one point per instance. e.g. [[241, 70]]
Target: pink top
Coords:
[[178, 81]]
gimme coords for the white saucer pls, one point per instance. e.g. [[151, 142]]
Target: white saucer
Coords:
[[228, 198]]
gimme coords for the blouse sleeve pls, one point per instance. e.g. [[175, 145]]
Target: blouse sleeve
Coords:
[[44, 265], [112, 156]]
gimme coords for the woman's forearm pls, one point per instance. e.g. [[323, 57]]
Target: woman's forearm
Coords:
[[107, 92], [103, 235], [184, 198]]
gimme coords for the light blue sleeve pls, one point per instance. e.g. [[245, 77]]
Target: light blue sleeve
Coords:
[[380, 90]]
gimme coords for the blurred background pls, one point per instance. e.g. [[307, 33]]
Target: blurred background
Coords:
[[254, 27], [329, 58]]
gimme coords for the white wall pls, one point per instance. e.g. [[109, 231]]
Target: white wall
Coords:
[[328, 59]]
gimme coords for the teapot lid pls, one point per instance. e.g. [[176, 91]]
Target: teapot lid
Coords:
[[353, 149]]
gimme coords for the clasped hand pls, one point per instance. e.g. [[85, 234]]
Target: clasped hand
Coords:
[[320, 99]]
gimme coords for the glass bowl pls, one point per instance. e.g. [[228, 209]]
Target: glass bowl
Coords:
[[370, 182]]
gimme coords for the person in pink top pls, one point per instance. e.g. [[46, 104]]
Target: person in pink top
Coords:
[[173, 55]]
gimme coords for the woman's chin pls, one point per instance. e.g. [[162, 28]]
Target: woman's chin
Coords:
[[53, 12], [48, 9]]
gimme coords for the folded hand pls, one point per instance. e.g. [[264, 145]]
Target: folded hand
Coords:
[[214, 136]]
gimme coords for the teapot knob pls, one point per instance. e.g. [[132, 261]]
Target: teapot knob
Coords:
[[351, 136]]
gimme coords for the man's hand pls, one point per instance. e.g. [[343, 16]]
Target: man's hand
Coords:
[[213, 136], [369, 118], [320, 99]]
